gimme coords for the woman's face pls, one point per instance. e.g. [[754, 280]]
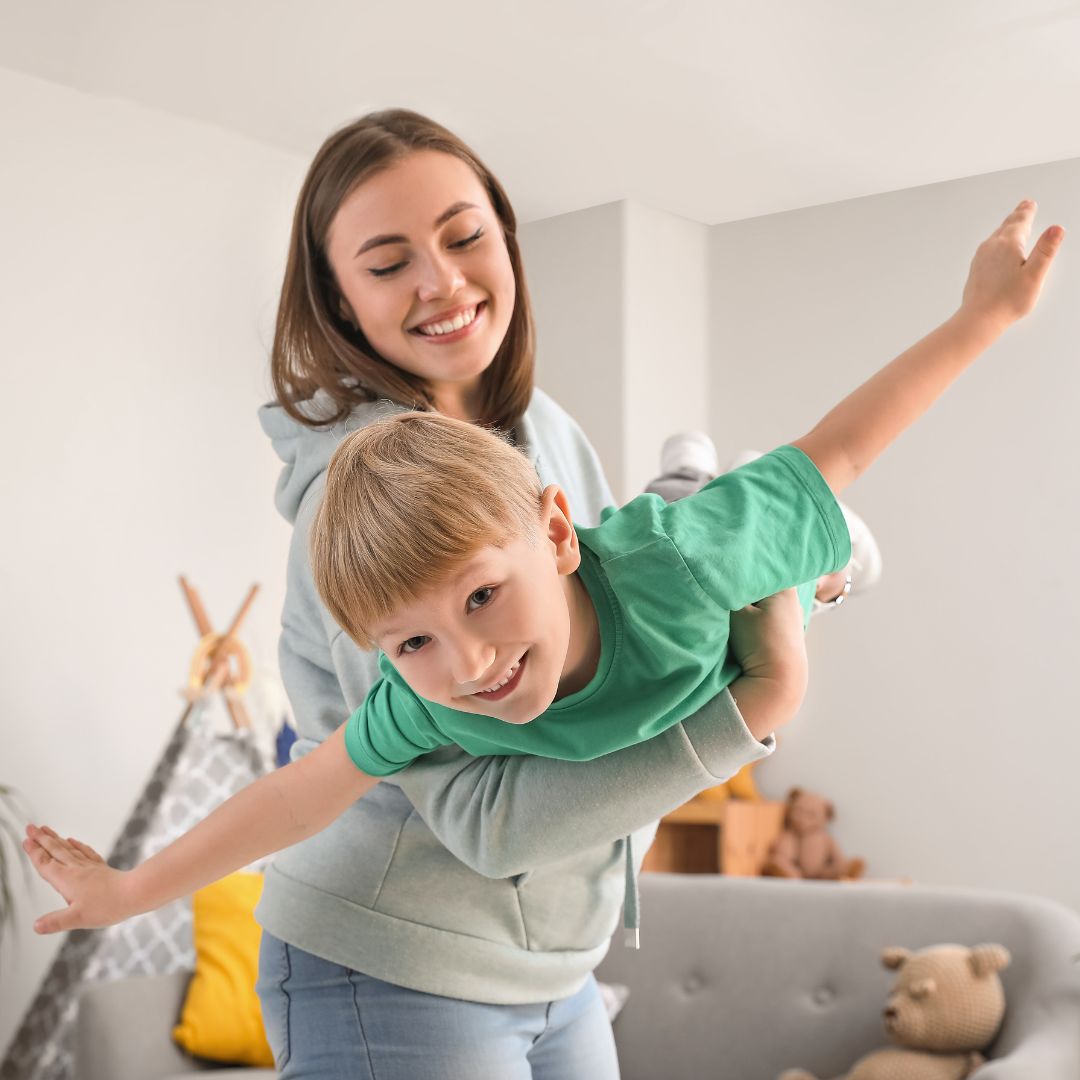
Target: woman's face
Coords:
[[419, 256]]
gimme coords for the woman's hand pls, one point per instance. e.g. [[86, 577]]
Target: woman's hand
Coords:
[[94, 891], [768, 642], [1004, 282]]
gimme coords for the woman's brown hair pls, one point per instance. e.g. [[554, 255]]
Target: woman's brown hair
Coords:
[[315, 348]]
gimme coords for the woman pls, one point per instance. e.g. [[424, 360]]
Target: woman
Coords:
[[448, 924]]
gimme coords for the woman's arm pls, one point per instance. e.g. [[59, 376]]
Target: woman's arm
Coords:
[[505, 815], [282, 808]]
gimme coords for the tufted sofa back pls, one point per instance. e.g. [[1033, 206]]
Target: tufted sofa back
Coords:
[[740, 978]]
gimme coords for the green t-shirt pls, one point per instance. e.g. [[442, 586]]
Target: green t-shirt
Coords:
[[664, 578]]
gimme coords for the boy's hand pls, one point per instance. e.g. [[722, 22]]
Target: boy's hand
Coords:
[[1004, 282], [94, 891]]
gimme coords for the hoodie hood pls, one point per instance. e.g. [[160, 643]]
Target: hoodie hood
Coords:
[[306, 451]]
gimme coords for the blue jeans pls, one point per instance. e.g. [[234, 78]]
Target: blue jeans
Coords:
[[329, 1022]]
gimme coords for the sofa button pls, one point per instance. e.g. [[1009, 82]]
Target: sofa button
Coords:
[[823, 996], [693, 984]]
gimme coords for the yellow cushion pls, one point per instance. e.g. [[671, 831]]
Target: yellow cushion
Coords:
[[221, 1020]]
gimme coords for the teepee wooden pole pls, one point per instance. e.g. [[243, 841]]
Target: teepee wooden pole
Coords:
[[218, 672]]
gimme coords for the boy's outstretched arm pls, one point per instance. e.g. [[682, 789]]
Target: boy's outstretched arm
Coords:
[[282, 808], [1003, 285]]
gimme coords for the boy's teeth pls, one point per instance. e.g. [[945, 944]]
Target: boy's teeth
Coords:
[[448, 326], [509, 675]]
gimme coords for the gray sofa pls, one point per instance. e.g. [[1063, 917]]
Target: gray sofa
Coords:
[[736, 979]]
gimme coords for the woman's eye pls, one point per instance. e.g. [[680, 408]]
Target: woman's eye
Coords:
[[481, 597], [413, 644], [469, 239], [382, 271]]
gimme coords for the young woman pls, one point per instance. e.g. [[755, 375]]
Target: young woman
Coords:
[[446, 926]]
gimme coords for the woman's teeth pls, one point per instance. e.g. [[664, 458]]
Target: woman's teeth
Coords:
[[450, 325]]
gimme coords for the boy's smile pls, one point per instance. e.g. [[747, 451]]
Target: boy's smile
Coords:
[[506, 633]]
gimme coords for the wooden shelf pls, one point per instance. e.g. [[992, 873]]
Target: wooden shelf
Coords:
[[705, 836]]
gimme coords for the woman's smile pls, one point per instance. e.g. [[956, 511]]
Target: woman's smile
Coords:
[[451, 326]]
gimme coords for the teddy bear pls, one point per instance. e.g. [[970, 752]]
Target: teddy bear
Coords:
[[945, 1007], [805, 849]]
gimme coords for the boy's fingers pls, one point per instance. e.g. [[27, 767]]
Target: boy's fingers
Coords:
[[1042, 254], [59, 849], [85, 849], [1019, 221], [38, 855], [55, 922]]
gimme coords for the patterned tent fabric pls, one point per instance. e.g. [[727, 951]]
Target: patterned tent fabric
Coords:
[[199, 770]]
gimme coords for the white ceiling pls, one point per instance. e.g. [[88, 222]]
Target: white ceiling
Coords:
[[714, 110]]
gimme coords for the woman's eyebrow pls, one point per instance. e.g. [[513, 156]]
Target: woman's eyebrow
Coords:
[[398, 238]]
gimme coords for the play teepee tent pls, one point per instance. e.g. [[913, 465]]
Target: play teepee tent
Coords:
[[199, 769]]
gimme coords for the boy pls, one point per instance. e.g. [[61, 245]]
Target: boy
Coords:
[[509, 639]]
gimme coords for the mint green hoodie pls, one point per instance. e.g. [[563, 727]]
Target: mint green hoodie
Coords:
[[492, 879]]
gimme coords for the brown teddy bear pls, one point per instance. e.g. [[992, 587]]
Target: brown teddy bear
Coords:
[[805, 849], [945, 1007]]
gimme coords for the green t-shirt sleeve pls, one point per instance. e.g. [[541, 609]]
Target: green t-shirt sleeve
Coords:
[[392, 728], [766, 526]]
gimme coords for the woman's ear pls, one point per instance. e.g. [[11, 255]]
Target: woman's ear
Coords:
[[558, 528], [345, 312]]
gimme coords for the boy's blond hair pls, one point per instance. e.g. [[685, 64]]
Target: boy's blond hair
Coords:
[[408, 499]]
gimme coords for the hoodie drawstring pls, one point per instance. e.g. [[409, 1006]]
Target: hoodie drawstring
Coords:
[[631, 915]]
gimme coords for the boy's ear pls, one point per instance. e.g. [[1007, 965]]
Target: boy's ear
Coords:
[[557, 526]]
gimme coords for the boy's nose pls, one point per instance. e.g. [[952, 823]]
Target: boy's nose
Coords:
[[471, 662]]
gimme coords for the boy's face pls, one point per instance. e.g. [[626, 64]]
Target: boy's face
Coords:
[[496, 637]]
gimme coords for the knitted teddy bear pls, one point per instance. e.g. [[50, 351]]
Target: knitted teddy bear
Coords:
[[805, 849], [945, 1007]]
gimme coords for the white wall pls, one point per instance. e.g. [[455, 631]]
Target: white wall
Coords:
[[619, 293], [666, 355], [138, 276], [942, 712], [574, 267]]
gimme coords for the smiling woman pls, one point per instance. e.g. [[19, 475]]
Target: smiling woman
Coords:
[[405, 935], [404, 284]]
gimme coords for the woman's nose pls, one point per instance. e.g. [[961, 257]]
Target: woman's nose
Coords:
[[440, 278]]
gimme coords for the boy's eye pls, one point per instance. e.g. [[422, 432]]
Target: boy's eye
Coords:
[[469, 239], [382, 271], [413, 644], [481, 597]]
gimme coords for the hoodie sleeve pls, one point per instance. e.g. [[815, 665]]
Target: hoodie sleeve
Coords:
[[506, 815]]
